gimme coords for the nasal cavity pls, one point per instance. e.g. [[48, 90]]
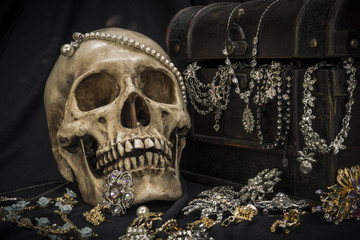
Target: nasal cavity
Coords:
[[135, 111]]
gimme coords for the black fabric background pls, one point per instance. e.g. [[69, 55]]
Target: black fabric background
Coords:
[[31, 35]]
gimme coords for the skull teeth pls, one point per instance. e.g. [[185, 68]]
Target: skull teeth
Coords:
[[134, 155]]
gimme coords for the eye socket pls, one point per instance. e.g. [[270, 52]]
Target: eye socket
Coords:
[[158, 86], [95, 91]]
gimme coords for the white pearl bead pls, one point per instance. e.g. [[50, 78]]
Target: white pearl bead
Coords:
[[92, 35], [67, 50], [142, 210], [102, 35], [147, 50]]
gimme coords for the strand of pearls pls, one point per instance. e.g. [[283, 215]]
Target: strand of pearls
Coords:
[[68, 50]]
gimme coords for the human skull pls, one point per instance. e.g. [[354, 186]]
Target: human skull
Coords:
[[116, 102]]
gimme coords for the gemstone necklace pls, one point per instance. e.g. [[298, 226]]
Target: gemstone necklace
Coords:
[[312, 140]]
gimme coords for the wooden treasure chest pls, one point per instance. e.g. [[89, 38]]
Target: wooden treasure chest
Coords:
[[270, 84]]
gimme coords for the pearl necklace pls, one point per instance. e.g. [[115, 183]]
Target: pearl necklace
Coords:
[[313, 142]]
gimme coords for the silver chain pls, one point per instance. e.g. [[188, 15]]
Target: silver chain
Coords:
[[61, 183]]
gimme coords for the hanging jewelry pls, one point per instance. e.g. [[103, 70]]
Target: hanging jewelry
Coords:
[[207, 97], [312, 140]]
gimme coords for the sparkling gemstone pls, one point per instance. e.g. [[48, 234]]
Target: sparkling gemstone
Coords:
[[128, 197], [116, 210], [114, 192], [286, 97], [114, 174], [319, 192], [106, 204], [305, 167], [254, 52], [227, 61], [235, 80], [225, 52], [253, 63], [124, 181], [216, 127], [318, 209]]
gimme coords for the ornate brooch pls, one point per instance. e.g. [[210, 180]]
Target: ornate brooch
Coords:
[[343, 199]]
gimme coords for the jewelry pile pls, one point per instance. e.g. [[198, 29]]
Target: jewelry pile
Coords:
[[42, 225], [224, 200], [343, 199], [142, 227]]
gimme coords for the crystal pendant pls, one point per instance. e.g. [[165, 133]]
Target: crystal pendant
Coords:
[[216, 127], [305, 167], [248, 120]]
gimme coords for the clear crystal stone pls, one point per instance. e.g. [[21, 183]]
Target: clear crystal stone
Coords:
[[127, 197], [254, 52], [116, 210], [114, 192], [305, 167]]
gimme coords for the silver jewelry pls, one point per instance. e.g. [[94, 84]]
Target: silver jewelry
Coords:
[[68, 50], [215, 202], [312, 140], [257, 187], [270, 82], [281, 202], [222, 200], [207, 97], [118, 194]]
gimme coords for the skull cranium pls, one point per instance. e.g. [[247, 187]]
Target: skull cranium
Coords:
[[115, 106]]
